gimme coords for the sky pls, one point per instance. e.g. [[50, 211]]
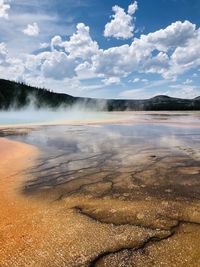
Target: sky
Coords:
[[103, 48]]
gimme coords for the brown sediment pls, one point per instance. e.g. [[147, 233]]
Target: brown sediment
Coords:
[[16, 213], [180, 250]]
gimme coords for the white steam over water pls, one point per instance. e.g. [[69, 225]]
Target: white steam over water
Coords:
[[31, 116]]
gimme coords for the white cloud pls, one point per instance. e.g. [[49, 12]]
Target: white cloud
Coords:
[[136, 80], [66, 59], [32, 29], [58, 65], [184, 91], [175, 35], [80, 44], [4, 7], [163, 52], [111, 80], [133, 93], [145, 80], [188, 56], [132, 8], [56, 41], [115, 61], [43, 45], [81, 56], [121, 25], [188, 81], [10, 68], [157, 64], [85, 71]]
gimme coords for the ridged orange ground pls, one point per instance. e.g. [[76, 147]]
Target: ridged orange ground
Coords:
[[41, 232], [16, 212]]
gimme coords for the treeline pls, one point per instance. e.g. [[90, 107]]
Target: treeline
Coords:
[[15, 95], [19, 95]]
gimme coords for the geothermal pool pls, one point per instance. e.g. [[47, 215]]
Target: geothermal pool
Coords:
[[121, 191], [46, 117]]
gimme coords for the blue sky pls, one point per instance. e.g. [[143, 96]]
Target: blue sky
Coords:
[[107, 49]]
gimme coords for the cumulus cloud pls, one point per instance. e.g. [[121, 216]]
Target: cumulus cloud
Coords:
[[56, 41], [121, 25], [168, 52], [157, 64], [114, 61], [176, 34], [4, 7], [58, 65], [66, 58], [55, 64], [85, 70], [32, 29], [80, 44], [188, 56]]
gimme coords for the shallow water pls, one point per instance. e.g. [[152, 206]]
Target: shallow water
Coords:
[[117, 194], [35, 117], [76, 116]]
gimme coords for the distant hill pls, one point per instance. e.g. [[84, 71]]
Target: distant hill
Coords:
[[160, 102], [17, 96]]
